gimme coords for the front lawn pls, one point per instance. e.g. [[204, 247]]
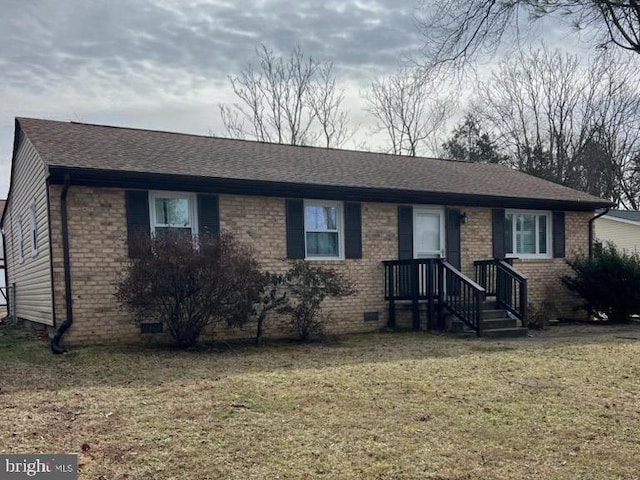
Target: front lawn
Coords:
[[379, 406]]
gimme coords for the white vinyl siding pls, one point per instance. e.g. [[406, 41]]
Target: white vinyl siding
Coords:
[[625, 235], [32, 276]]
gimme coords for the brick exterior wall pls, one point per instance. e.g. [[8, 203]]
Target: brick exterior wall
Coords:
[[543, 274], [97, 247], [475, 238], [260, 222], [98, 251]]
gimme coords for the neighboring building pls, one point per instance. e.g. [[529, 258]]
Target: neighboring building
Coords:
[[3, 290], [347, 209], [2, 204], [620, 227]]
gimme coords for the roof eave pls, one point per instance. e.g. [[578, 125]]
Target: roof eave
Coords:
[[17, 130], [621, 220], [160, 181]]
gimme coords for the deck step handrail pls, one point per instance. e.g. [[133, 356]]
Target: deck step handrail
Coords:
[[507, 284], [512, 271], [420, 280], [511, 290], [467, 279], [462, 296]]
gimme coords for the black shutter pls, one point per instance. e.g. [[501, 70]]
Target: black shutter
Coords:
[[137, 208], [405, 232], [294, 210], [453, 237], [497, 222], [208, 214], [558, 235], [352, 230]]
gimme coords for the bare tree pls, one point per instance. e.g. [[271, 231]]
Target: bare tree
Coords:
[[570, 123], [457, 31], [291, 100], [325, 102], [631, 185], [408, 111]]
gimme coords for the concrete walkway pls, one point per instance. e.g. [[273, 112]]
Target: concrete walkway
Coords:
[[567, 332]]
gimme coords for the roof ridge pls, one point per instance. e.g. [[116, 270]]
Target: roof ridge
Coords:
[[261, 142]]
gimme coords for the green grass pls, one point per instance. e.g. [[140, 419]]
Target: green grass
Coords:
[[378, 406]]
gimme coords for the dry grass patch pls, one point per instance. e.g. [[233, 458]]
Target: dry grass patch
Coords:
[[388, 406]]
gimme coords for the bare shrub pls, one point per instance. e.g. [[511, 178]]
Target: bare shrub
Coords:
[[307, 286], [188, 285]]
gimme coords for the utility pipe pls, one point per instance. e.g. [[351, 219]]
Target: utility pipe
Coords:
[[604, 212], [55, 340]]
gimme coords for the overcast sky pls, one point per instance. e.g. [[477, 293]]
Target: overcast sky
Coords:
[[163, 64]]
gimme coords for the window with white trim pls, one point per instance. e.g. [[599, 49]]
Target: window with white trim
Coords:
[[173, 212], [33, 230], [323, 229], [528, 234], [20, 243]]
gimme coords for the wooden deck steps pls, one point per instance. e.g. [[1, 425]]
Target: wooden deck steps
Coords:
[[496, 323]]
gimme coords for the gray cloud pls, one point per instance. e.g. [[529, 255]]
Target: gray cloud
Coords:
[[164, 63], [52, 40]]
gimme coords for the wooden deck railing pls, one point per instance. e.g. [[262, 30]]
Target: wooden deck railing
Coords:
[[463, 297], [437, 284], [508, 285]]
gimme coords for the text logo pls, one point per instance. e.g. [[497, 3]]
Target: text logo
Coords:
[[45, 467]]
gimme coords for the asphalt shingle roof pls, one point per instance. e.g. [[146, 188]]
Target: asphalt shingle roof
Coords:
[[132, 150], [632, 215]]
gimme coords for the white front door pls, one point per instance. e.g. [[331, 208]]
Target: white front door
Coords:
[[428, 232], [428, 239]]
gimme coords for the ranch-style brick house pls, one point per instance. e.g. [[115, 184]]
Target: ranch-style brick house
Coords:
[[419, 236]]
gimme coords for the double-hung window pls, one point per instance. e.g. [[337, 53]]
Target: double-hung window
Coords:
[[33, 230], [323, 229], [20, 242], [528, 234], [172, 212]]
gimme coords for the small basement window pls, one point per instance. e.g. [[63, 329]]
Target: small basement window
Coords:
[[151, 328], [323, 230]]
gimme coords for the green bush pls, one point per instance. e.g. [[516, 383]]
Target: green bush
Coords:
[[188, 285], [609, 282]]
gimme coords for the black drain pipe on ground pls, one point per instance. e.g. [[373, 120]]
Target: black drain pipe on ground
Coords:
[[55, 341], [593, 219]]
